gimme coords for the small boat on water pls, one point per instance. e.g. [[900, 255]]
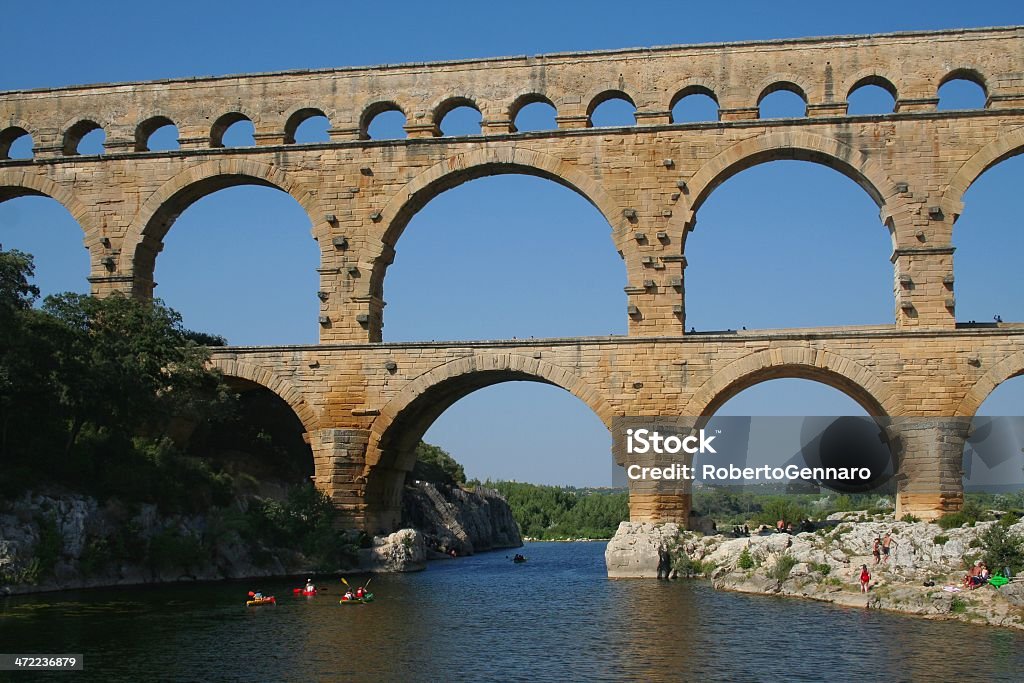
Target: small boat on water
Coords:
[[519, 559], [368, 597], [256, 602]]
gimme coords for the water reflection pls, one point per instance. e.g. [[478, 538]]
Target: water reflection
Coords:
[[555, 617]]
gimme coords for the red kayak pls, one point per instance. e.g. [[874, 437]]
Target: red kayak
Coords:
[[303, 591]]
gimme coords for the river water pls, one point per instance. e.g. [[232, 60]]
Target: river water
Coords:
[[556, 617]]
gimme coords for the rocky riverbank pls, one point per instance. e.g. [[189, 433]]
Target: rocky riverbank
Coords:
[[61, 540], [824, 565]]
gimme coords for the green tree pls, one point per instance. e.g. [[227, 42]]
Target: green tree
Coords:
[[434, 464]]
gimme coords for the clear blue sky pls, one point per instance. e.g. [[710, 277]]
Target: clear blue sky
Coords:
[[457, 274]]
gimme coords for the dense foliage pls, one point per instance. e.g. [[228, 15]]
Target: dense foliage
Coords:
[[553, 512], [106, 397], [89, 388]]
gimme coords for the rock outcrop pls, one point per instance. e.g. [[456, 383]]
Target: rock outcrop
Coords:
[[402, 551], [640, 550], [452, 518], [824, 565]]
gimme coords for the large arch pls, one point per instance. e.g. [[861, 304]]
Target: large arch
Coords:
[[867, 173], [144, 237], [1008, 368], [998, 150], [462, 168], [407, 416], [797, 362], [16, 183]]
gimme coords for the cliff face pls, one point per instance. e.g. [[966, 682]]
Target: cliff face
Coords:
[[452, 518], [63, 541]]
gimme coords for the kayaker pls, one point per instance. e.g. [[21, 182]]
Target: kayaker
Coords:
[[258, 595], [310, 588], [348, 595], [360, 593]]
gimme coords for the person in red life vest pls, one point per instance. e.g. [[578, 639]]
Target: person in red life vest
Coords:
[[865, 578], [360, 593]]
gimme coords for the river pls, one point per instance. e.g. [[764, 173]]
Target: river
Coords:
[[556, 617]]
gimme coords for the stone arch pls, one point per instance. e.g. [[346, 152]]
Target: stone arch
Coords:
[[13, 129], [299, 114], [148, 126], [525, 100], [598, 97], [406, 417], [144, 237], [449, 104], [1008, 368], [867, 173], [373, 110], [16, 182], [462, 168], [796, 362], [74, 130], [1000, 149], [881, 77], [273, 382], [965, 73], [225, 121], [693, 87]]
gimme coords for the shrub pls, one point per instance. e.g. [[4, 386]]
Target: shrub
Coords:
[[48, 548], [957, 606], [941, 539], [1002, 549], [822, 568], [783, 566], [746, 560], [909, 518]]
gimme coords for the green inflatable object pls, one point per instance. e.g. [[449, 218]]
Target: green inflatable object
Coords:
[[998, 581]]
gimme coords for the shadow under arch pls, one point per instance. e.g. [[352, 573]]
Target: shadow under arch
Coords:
[[271, 381], [144, 238], [462, 168], [999, 150], [825, 367], [1006, 369], [406, 418], [868, 174]]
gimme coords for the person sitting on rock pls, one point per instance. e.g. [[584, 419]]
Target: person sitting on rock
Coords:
[[865, 578], [971, 580]]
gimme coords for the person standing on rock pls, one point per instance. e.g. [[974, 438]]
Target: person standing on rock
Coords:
[[865, 578], [876, 550], [887, 543]]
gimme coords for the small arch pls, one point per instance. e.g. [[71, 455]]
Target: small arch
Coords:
[[382, 121], [145, 131], [14, 145], [221, 126], [539, 113], [465, 117], [615, 107], [694, 103], [963, 88], [306, 125], [872, 94], [77, 134], [779, 104]]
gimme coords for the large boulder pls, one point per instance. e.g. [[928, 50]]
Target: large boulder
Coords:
[[402, 551], [640, 550]]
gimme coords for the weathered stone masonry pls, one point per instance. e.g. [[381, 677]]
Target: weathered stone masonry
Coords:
[[364, 404]]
